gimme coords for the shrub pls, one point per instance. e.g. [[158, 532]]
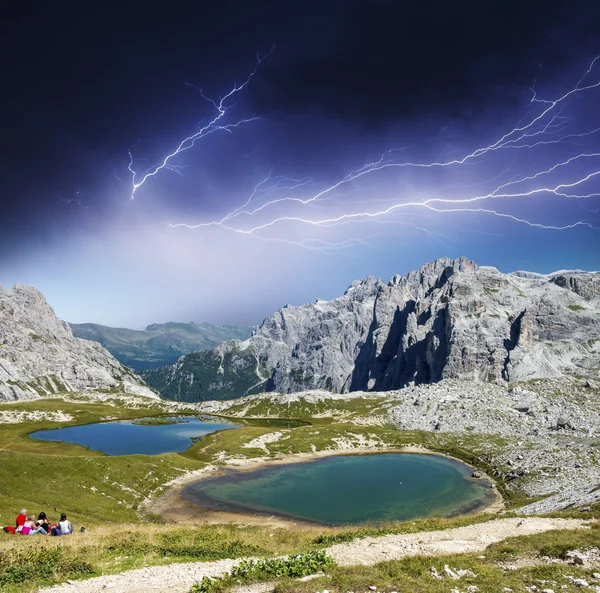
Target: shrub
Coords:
[[40, 564], [261, 570]]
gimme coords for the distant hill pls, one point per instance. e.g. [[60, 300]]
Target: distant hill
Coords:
[[160, 343]]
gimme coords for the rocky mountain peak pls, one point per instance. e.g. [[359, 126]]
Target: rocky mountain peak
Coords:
[[433, 272], [40, 356], [27, 306], [585, 284], [449, 319], [365, 288]]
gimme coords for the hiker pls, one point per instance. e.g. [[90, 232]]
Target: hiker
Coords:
[[43, 522], [30, 527], [65, 526], [19, 522], [21, 518]]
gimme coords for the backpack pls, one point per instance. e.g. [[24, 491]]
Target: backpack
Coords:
[[9, 529]]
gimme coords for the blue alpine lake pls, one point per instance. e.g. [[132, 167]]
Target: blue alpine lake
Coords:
[[146, 436], [349, 489]]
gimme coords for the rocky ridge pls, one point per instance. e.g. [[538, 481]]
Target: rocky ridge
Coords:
[[449, 319], [39, 355]]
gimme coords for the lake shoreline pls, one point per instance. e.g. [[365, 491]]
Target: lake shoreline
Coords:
[[173, 507], [135, 436]]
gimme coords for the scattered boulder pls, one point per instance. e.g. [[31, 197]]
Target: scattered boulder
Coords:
[[576, 557], [563, 424], [434, 573], [450, 573]]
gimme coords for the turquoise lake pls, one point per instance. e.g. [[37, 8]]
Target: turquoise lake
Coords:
[[349, 489], [130, 437]]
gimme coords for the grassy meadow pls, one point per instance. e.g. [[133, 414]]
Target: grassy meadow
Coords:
[[89, 486], [105, 494]]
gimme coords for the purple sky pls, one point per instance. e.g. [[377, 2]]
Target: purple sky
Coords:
[[323, 181]]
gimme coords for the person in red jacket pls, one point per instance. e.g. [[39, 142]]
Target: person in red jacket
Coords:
[[21, 518]]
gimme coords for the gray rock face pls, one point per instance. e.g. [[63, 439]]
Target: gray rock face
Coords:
[[585, 285], [318, 344], [312, 345], [40, 356], [449, 319]]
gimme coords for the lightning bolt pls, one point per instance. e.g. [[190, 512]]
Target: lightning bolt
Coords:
[[549, 126], [216, 124]]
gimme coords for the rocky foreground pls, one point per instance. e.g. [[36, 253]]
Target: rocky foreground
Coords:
[[39, 355], [451, 319]]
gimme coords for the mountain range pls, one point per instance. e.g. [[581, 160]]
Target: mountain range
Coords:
[[160, 343], [449, 319]]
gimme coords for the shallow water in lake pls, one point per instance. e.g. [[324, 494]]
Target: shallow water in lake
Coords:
[[143, 436], [349, 489]]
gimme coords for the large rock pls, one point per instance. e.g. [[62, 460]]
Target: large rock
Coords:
[[449, 319], [39, 355]]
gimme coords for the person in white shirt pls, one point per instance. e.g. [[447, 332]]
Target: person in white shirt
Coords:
[[65, 525]]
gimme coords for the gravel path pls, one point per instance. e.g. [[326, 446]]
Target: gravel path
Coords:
[[178, 578], [462, 540]]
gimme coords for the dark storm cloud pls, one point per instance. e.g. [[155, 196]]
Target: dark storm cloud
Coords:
[[372, 62], [83, 81], [102, 73]]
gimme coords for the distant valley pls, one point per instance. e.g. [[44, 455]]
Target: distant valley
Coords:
[[160, 343]]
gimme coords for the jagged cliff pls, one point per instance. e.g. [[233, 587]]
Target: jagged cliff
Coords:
[[449, 319], [40, 356]]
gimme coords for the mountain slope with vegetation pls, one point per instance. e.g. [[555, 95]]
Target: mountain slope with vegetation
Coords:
[[160, 343], [451, 319]]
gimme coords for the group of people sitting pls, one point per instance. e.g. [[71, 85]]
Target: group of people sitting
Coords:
[[28, 525]]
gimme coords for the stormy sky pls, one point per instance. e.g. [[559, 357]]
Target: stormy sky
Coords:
[[371, 137]]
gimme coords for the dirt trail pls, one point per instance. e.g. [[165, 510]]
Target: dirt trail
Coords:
[[178, 578], [461, 540]]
